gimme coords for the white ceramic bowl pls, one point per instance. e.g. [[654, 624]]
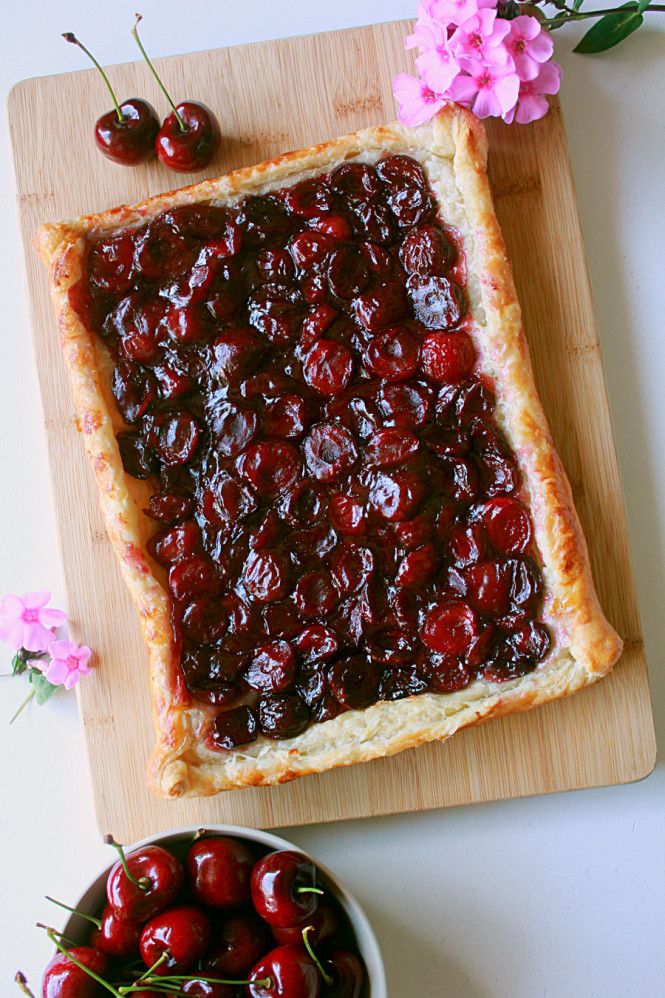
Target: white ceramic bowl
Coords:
[[93, 897]]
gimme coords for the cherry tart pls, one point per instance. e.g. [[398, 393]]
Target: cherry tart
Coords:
[[350, 531]]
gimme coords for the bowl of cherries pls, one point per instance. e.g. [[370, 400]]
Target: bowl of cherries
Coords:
[[220, 912]]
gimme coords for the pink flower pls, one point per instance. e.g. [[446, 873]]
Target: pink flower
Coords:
[[481, 37], [418, 103], [529, 45], [436, 64], [26, 621], [457, 11], [68, 663], [486, 90], [532, 102]]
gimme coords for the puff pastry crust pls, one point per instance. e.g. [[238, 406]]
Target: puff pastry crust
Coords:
[[453, 151]]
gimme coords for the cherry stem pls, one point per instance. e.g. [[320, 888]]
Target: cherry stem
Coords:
[[75, 911], [70, 37], [309, 890], [143, 883], [264, 982], [22, 982], [49, 928], [22, 707], [51, 933], [327, 979], [135, 35]]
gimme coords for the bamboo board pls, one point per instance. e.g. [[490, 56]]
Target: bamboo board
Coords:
[[271, 97]]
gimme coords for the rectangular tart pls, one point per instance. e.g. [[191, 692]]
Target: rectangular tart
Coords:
[[306, 395]]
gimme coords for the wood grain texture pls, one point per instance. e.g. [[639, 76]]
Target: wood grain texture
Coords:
[[272, 97]]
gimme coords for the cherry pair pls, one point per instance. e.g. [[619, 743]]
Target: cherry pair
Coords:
[[130, 134]]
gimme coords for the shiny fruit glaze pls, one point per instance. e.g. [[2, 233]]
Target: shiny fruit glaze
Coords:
[[337, 510]]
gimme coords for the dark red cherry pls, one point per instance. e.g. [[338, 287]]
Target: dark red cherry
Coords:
[[234, 727], [219, 870], [117, 937], [315, 595], [406, 405], [266, 576], [436, 301], [449, 628], [271, 466], [391, 446], [488, 587], [273, 668], [127, 134], [351, 565], [347, 972], [111, 264], [448, 357], [355, 180], [529, 642], [307, 199], [353, 682], [137, 458], [330, 451], [397, 494], [347, 514], [417, 567], [426, 251], [393, 354], [130, 138], [291, 973], [281, 888], [507, 524], [156, 879], [332, 225], [63, 979], [183, 933], [167, 507], [384, 305], [285, 416], [328, 367], [283, 715], [168, 546], [316, 643], [236, 944], [204, 620], [203, 988], [310, 248], [348, 272], [324, 921], [174, 436], [189, 138]]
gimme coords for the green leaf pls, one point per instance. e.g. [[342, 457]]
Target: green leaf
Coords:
[[611, 29], [642, 5], [18, 665], [43, 689], [578, 3]]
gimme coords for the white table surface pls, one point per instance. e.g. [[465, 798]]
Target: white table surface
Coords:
[[560, 896]]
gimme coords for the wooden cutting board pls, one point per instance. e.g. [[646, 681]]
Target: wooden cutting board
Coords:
[[271, 97]]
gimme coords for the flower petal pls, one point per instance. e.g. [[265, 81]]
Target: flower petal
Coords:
[[530, 108], [541, 47], [71, 679], [56, 672], [549, 78], [36, 637], [36, 600], [486, 104], [463, 89], [50, 617], [525, 26], [437, 71]]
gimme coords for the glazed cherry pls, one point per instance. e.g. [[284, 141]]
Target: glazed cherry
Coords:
[[347, 973], [448, 356], [449, 627], [273, 668], [328, 367], [63, 979], [393, 354], [127, 134], [207, 989], [234, 727], [219, 871], [283, 715], [143, 883], [507, 525], [284, 888], [237, 944], [117, 937], [189, 136], [353, 683], [426, 251], [285, 972], [182, 933]]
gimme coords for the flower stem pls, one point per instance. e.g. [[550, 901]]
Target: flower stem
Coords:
[[135, 34], [25, 703], [70, 37], [309, 890], [143, 883], [75, 911], [552, 23]]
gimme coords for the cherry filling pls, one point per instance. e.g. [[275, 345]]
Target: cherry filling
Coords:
[[338, 512]]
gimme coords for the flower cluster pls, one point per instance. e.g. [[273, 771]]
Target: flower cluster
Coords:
[[30, 628], [498, 66]]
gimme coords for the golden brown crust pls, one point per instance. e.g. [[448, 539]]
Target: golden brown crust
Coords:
[[453, 152]]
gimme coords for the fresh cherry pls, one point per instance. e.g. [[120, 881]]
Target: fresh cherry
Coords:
[[237, 944], [181, 934], [284, 890], [144, 882], [347, 973], [290, 971], [189, 136], [64, 979], [219, 871], [324, 921], [127, 134], [117, 937]]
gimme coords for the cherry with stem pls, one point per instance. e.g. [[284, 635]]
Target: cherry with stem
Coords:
[[189, 136], [143, 883], [22, 982], [327, 979], [75, 911], [127, 134]]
